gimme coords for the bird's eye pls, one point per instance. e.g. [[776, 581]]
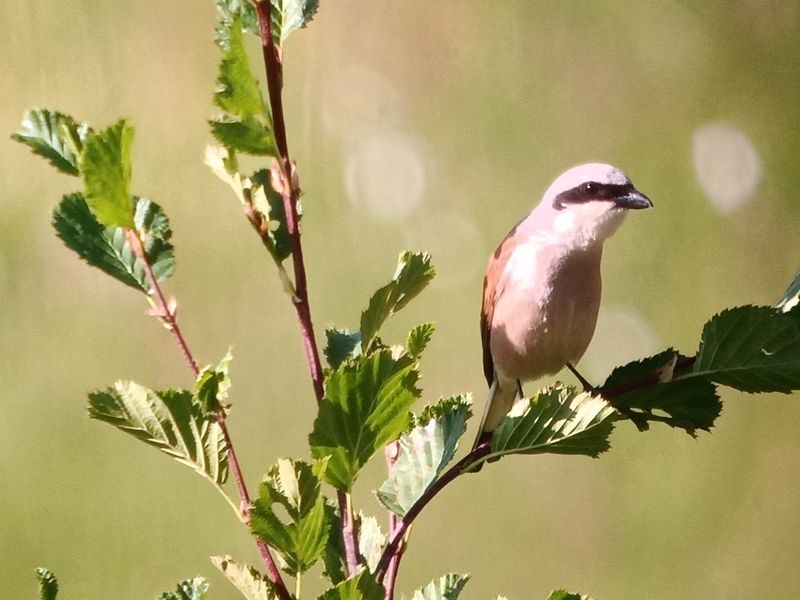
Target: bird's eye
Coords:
[[590, 188]]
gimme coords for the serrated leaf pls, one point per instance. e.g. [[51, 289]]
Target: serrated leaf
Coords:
[[371, 541], [791, 297], [689, 403], [342, 345], [564, 595], [48, 584], [250, 136], [334, 555], [365, 406], [189, 589], [106, 171], [751, 348], [213, 384], [419, 338], [247, 579], [228, 10], [295, 486], [413, 273], [54, 136], [447, 587], [289, 16], [173, 421], [424, 452], [361, 587], [108, 248], [558, 420]]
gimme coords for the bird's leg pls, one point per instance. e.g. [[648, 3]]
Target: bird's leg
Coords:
[[587, 387]]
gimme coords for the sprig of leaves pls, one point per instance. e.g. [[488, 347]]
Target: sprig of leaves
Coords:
[[247, 579], [446, 587]]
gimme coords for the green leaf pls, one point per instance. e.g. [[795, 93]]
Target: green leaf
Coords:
[[247, 579], [108, 248], [689, 403], [558, 420], [54, 136], [751, 348], [228, 10], [189, 589], [269, 203], [424, 452], [361, 587], [172, 421], [564, 595], [250, 136], [447, 587], [294, 486], [106, 171], [365, 406], [419, 338], [414, 272], [342, 345], [237, 90], [48, 584], [333, 556], [289, 16], [371, 541], [212, 386], [791, 297]]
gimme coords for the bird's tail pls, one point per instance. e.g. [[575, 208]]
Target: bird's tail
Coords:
[[499, 402]]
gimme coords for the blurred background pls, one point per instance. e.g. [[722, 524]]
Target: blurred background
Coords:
[[430, 126]]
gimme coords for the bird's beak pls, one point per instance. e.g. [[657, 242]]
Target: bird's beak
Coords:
[[634, 200]]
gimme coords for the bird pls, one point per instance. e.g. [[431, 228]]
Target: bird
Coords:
[[541, 293]]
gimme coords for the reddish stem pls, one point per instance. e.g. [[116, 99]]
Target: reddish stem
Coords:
[[167, 315]]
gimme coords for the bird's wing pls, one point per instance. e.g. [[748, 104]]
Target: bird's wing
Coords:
[[491, 284]]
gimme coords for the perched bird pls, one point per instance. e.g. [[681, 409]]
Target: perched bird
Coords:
[[541, 293]]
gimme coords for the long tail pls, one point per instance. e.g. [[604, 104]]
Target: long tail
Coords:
[[499, 402]]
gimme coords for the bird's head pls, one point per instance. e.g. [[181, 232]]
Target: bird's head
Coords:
[[587, 203]]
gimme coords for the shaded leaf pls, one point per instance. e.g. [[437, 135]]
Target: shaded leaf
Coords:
[[108, 248], [295, 486], [189, 589], [413, 273], [361, 587], [289, 16], [559, 420], [751, 348], [48, 584], [424, 452], [342, 345], [269, 203], [333, 556], [419, 338], [564, 595], [371, 541], [365, 406], [447, 587], [791, 297], [54, 136], [106, 171], [213, 384], [250, 136], [172, 421], [247, 579]]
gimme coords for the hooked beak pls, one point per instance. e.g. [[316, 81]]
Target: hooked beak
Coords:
[[634, 200]]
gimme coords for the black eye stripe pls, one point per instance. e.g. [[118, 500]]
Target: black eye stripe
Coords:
[[590, 191]]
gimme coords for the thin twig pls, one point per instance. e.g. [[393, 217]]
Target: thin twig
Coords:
[[289, 191], [167, 315]]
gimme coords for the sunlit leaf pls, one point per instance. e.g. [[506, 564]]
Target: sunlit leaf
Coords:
[[365, 406], [342, 344], [371, 541], [419, 338], [289, 16], [250, 136], [564, 595], [213, 384], [173, 421], [361, 587], [48, 584], [106, 170], [559, 420], [247, 579], [108, 248], [751, 348], [791, 297], [447, 587], [189, 589], [270, 204], [228, 10], [295, 487], [424, 452], [54, 136]]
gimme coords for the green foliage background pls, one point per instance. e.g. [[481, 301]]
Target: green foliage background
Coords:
[[498, 98]]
